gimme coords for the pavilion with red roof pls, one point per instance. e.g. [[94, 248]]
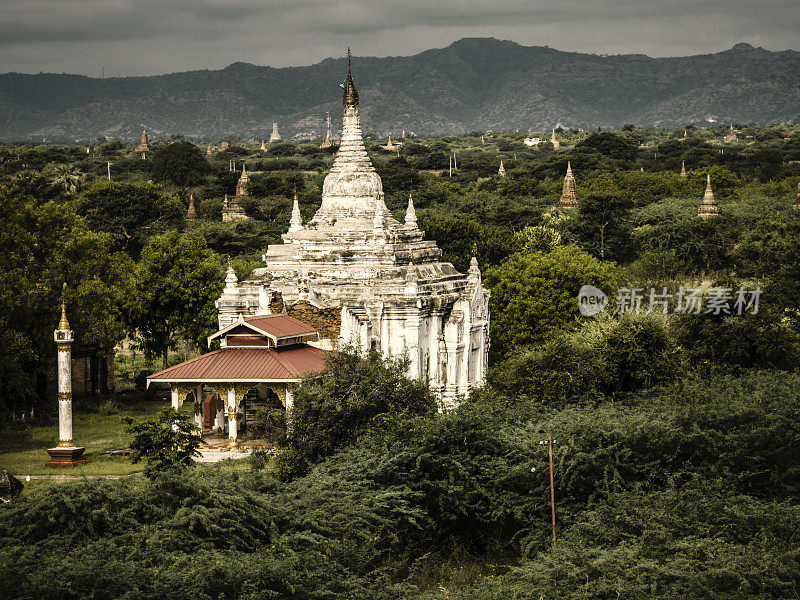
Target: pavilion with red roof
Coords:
[[259, 361]]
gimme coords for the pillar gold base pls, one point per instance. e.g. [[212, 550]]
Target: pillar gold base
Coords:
[[65, 457]]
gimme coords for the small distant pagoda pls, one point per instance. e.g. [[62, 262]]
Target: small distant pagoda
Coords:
[[232, 210], [390, 146], [144, 143], [683, 169], [263, 146], [502, 170], [569, 195], [274, 136], [796, 204], [209, 152], [708, 207], [191, 213], [328, 142], [731, 137], [554, 141]]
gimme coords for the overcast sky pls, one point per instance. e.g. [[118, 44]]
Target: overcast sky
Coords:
[[147, 37]]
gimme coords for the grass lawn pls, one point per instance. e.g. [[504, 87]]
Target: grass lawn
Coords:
[[23, 447]]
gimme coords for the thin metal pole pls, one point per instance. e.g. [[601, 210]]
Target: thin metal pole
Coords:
[[552, 489]]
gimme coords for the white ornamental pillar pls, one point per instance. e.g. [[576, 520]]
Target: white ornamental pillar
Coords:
[[64, 337], [66, 453]]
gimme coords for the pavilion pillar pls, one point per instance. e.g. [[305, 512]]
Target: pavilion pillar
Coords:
[[289, 399], [198, 407], [233, 435], [219, 421], [175, 398]]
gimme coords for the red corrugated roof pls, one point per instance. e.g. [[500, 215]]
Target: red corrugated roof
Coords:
[[247, 364], [280, 325]]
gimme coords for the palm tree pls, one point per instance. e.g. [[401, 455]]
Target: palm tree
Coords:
[[68, 177]]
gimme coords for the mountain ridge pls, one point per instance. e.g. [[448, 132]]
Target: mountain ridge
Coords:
[[472, 84]]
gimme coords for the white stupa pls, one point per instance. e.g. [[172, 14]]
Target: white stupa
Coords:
[[361, 277]]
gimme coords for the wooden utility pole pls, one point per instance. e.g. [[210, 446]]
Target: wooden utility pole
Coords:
[[552, 489]]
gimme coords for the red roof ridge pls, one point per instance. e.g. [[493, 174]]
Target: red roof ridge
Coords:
[[186, 362]]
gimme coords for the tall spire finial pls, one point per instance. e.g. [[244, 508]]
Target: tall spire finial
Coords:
[[350, 97], [63, 324]]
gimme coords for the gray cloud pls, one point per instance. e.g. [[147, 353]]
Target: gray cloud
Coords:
[[158, 36]]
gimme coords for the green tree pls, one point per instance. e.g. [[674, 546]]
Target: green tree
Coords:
[[603, 222], [131, 211], [68, 178], [534, 295], [333, 409], [168, 444], [177, 281], [612, 145], [180, 163], [42, 245]]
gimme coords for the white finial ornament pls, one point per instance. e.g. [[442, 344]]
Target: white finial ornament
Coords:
[[296, 222], [231, 281], [411, 214]]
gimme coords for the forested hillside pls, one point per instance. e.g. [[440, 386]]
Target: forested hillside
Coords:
[[472, 85]]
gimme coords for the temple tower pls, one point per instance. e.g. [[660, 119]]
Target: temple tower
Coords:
[[554, 141], [233, 211], [502, 170], [708, 207], [274, 136], [361, 277], [144, 143], [209, 153], [328, 134], [683, 169], [66, 453], [263, 146], [390, 146], [731, 137], [191, 212], [569, 194]]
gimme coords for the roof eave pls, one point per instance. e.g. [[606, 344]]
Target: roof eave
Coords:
[[226, 380]]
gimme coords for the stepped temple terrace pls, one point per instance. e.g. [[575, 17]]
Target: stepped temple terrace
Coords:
[[358, 276]]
